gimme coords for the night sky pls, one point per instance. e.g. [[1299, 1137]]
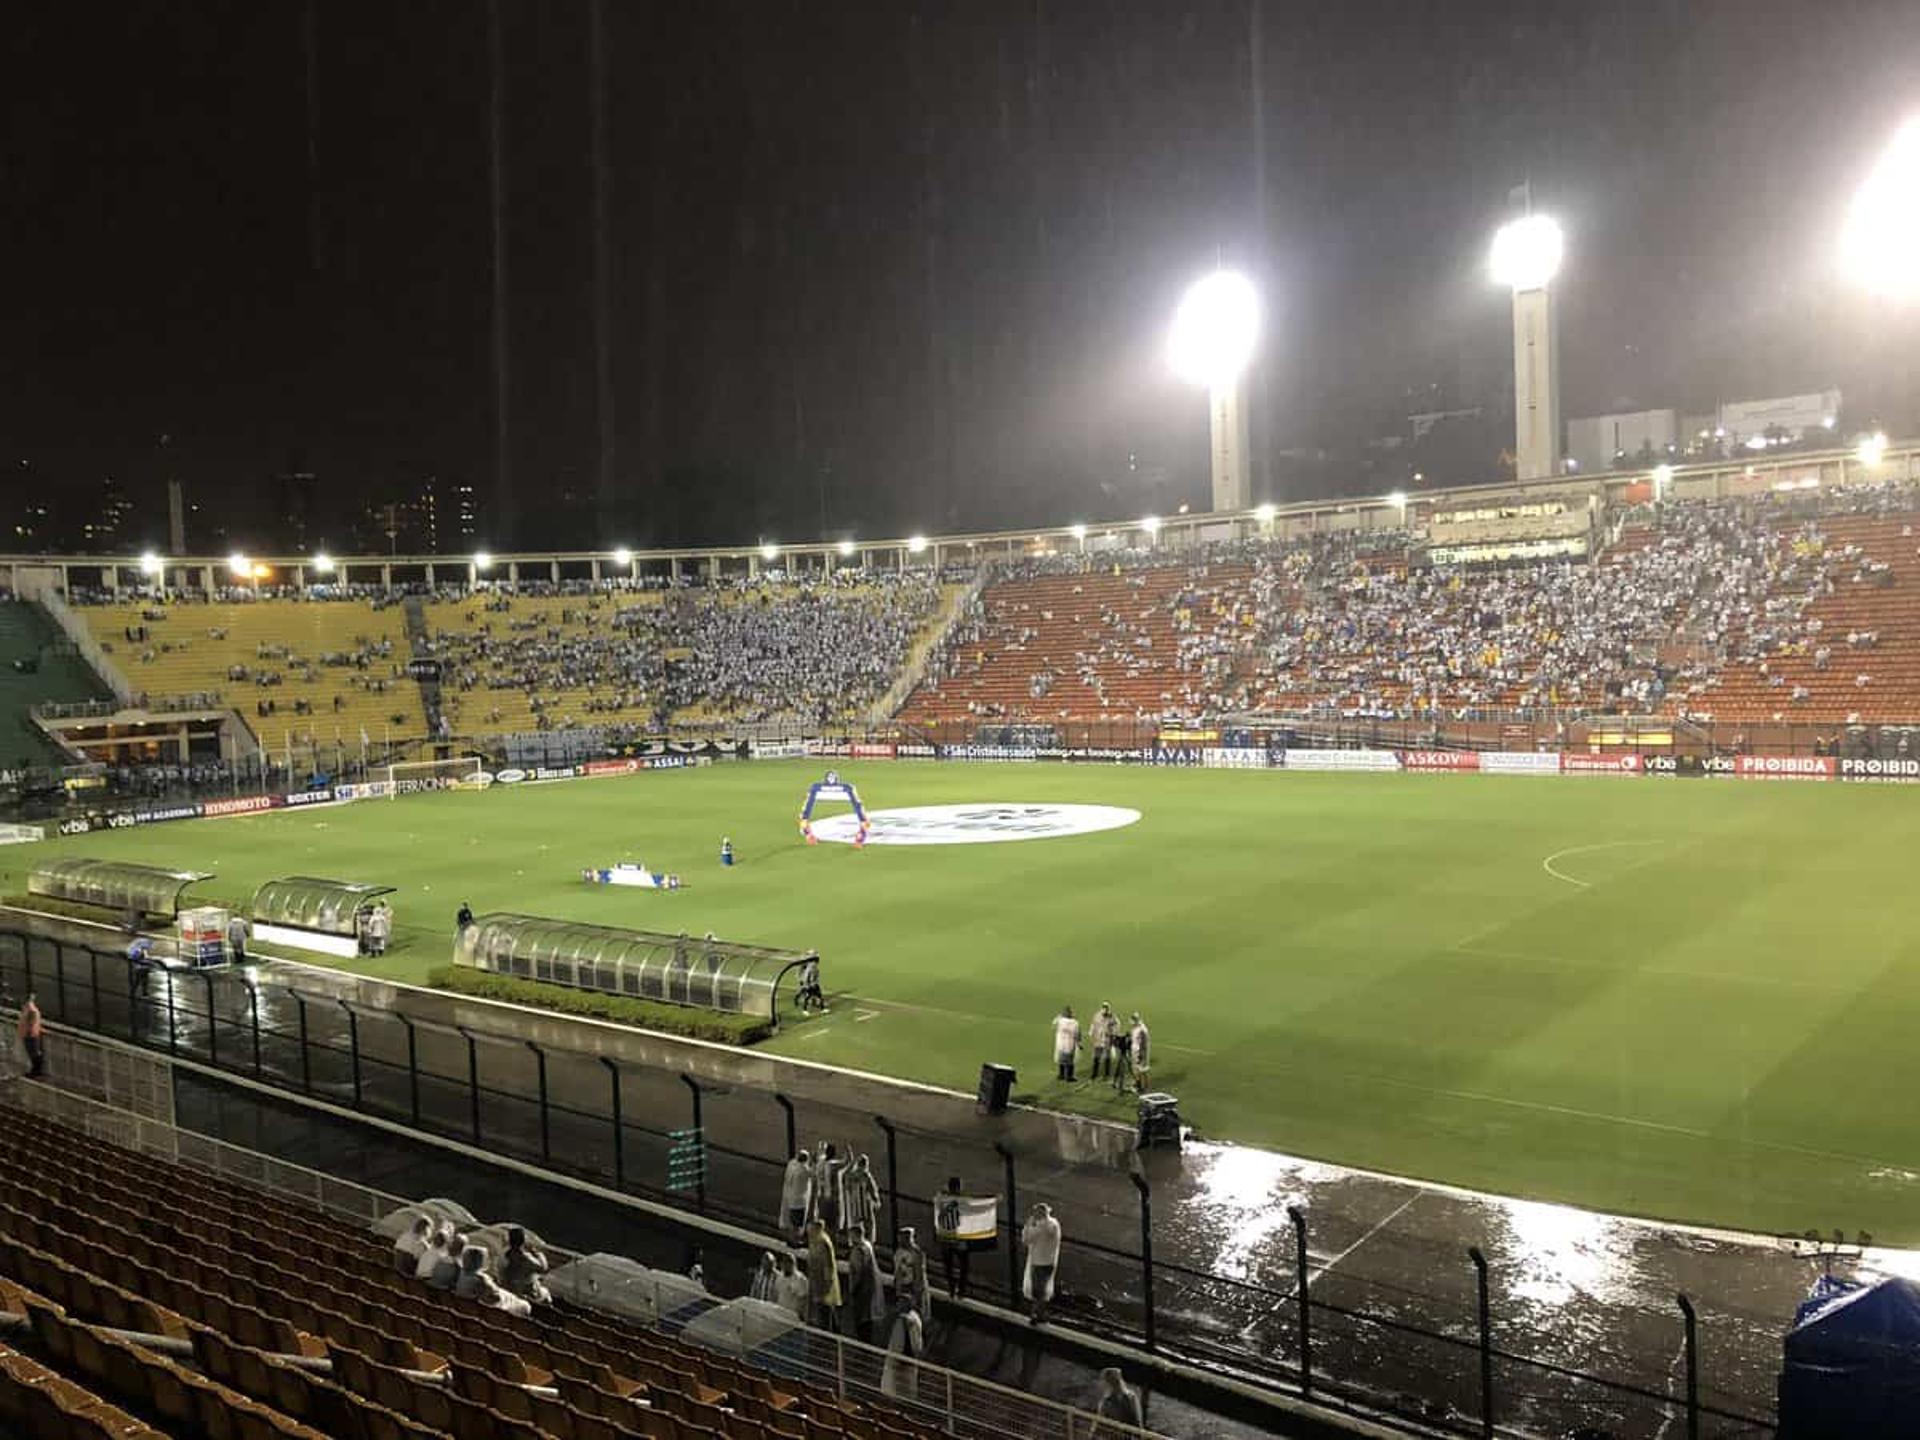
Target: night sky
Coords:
[[876, 266]]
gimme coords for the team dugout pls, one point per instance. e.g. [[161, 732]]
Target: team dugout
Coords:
[[678, 969], [315, 914], [116, 885]]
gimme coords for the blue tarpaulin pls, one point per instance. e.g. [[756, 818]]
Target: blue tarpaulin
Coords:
[[1853, 1366]]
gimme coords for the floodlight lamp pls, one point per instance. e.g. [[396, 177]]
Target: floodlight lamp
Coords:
[[1830, 421], [916, 544], [149, 563], [1876, 238], [1662, 476], [846, 547], [1079, 532], [1215, 329], [1872, 449], [1527, 252], [769, 551], [482, 560], [1756, 442], [323, 562], [1151, 524], [1265, 512], [239, 565], [1398, 499], [261, 572], [623, 556]]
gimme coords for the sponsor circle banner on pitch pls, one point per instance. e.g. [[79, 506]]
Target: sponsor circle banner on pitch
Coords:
[[984, 823]]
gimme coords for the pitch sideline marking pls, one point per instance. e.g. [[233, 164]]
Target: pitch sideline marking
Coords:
[[970, 1015], [1547, 864], [1397, 1213]]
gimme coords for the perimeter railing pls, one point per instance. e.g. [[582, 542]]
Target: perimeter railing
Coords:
[[1434, 1347]]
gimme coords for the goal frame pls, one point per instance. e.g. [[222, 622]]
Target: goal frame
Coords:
[[461, 772]]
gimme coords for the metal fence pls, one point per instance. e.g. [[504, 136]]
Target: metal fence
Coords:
[[961, 1405], [1434, 1349]]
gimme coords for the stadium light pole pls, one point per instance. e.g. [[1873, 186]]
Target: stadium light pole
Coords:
[[1526, 257], [1215, 329]]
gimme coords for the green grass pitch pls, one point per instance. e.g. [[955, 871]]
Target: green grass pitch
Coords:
[[1711, 1013]]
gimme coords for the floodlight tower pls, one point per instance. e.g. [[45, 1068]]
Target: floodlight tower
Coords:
[[1526, 256], [1879, 255], [1215, 329], [1877, 248]]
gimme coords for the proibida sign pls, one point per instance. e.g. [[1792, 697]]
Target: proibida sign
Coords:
[[1785, 767]]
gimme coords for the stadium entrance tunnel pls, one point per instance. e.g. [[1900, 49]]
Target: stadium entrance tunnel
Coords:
[[708, 973]]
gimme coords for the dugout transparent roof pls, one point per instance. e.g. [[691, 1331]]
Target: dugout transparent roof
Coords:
[[113, 884], [307, 903], [679, 969]]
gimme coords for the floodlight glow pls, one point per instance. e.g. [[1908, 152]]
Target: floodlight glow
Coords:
[[1877, 251], [149, 563], [846, 547], [769, 551], [1398, 499], [1872, 449], [917, 544], [1151, 524], [323, 562], [1079, 532], [1215, 329], [1265, 512], [239, 565], [1527, 252], [1662, 476], [623, 556], [482, 560], [1756, 442], [261, 572]]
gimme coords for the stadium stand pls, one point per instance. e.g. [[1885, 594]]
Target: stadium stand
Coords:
[[810, 652], [99, 1243], [299, 672], [35, 668], [1736, 611]]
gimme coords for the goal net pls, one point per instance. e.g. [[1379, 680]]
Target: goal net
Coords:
[[412, 777]]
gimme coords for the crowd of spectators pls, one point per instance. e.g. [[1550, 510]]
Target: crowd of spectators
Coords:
[[808, 649], [1359, 625]]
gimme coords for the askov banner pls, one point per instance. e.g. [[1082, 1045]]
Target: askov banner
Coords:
[[1785, 767], [1578, 763], [1439, 759]]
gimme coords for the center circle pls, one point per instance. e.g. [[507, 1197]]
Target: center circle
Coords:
[[982, 823]]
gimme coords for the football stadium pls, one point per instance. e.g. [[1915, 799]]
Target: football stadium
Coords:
[[863, 722]]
